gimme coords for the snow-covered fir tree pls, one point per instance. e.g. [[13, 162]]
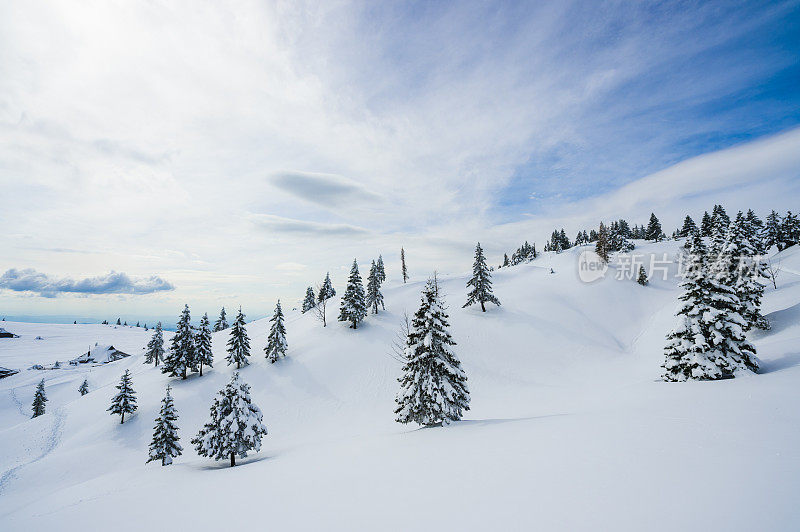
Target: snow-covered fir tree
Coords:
[[236, 424], [709, 341], [39, 400], [181, 356], [222, 322], [654, 231], [238, 343], [433, 388], [641, 278], [326, 291], [155, 347], [403, 265], [84, 388], [310, 301], [743, 268], [688, 228], [204, 355], [353, 307], [164, 445], [481, 282], [381, 270], [276, 340], [125, 400], [705, 224], [789, 231], [602, 245], [772, 230], [374, 295]]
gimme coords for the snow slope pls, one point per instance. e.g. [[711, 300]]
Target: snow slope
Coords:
[[570, 426]]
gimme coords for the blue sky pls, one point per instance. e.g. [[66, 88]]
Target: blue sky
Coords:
[[155, 153]]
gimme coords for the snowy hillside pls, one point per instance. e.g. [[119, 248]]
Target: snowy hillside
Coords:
[[569, 427]]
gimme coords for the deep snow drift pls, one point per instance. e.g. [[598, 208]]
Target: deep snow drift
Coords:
[[570, 425]]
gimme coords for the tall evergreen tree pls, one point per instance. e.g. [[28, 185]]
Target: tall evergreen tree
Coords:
[[181, 356], [381, 270], [222, 322], [236, 424], [119, 321], [481, 282], [276, 341], [326, 291], [353, 307], [789, 231], [84, 389], [203, 352], [602, 245], [374, 295], [238, 343], [740, 265], [155, 347], [705, 225], [164, 445], [709, 342], [39, 400], [772, 230], [125, 400], [654, 231], [309, 302], [433, 388], [688, 228], [403, 265]]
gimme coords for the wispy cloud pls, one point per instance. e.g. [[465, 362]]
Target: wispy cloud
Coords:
[[327, 190], [30, 280], [279, 224]]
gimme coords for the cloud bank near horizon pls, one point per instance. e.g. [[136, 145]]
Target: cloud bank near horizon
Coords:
[[30, 280]]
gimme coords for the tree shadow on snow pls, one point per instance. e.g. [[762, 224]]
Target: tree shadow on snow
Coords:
[[226, 464], [787, 361], [489, 421]]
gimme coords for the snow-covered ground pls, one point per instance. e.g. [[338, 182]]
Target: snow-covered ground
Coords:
[[570, 426]]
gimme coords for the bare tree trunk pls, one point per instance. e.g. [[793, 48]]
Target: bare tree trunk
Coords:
[[233, 459]]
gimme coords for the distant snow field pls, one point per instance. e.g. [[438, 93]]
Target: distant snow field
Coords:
[[570, 425]]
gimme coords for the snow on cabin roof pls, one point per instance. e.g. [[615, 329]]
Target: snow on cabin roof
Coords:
[[100, 354]]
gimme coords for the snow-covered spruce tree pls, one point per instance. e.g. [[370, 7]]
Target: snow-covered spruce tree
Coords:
[[236, 424], [654, 231], [39, 399], [743, 269], [374, 295], [202, 349], [709, 342], [403, 265], [326, 291], [481, 282], [688, 228], [165, 444], [433, 388], [181, 356], [222, 322], [125, 400], [772, 230], [155, 347], [84, 389], [238, 343], [276, 341], [705, 224], [602, 245], [642, 277], [309, 301], [353, 307], [381, 270]]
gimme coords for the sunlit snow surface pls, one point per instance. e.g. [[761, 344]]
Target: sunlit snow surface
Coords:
[[570, 425]]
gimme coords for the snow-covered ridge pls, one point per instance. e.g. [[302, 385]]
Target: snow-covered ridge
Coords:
[[569, 427]]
